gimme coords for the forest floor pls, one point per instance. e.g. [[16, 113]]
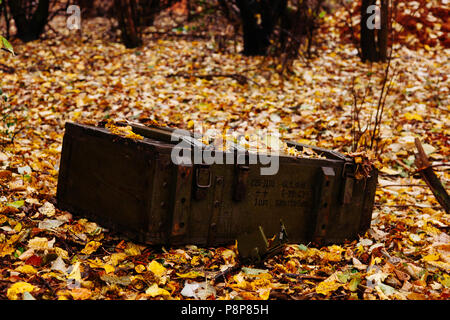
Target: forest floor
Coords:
[[46, 253]]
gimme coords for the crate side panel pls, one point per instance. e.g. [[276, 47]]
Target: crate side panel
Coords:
[[107, 179], [290, 195]]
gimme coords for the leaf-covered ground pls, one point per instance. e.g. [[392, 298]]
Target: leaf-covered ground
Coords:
[[46, 253]]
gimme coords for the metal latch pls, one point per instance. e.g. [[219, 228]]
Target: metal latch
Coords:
[[202, 181]]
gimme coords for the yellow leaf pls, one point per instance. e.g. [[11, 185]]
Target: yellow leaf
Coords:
[[431, 257], [414, 237], [445, 280], [132, 249], [304, 141], [108, 268], [5, 249], [17, 289], [116, 258], [191, 275], [264, 293], [62, 253], [76, 273], [26, 269], [228, 255], [247, 295], [91, 247], [331, 256], [444, 266], [47, 209], [18, 227], [76, 115], [413, 116], [196, 260], [139, 268], [157, 268], [430, 230], [325, 287], [97, 263], [80, 293], [154, 291], [389, 171], [38, 243]]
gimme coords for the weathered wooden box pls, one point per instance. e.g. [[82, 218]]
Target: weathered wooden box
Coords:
[[134, 187]]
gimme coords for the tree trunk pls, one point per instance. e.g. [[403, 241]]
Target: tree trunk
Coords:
[[29, 28], [149, 9], [255, 40], [368, 44], [126, 11], [6, 16], [374, 40], [258, 23], [383, 32]]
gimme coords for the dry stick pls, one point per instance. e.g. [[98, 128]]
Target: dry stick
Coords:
[[428, 175], [403, 165], [225, 272], [402, 185], [355, 114], [350, 26], [380, 107], [404, 205], [238, 77], [304, 276], [382, 100]]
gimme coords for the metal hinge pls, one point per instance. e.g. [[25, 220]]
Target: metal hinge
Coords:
[[181, 201], [240, 182], [216, 209], [327, 177], [348, 179]]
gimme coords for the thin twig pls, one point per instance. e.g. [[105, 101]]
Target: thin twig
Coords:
[[350, 26], [225, 272], [402, 185], [238, 77], [304, 276]]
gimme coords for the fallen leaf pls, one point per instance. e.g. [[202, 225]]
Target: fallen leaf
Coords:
[[38, 243], [191, 275], [17, 289], [326, 287], [140, 268], [80, 293], [113, 279], [27, 269], [154, 291], [156, 268], [91, 247], [47, 209]]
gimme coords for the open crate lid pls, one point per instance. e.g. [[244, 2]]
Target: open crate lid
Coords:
[[172, 135]]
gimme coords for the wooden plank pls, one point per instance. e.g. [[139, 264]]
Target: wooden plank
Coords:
[[428, 175]]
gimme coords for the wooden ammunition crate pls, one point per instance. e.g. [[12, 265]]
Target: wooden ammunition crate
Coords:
[[133, 186]]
